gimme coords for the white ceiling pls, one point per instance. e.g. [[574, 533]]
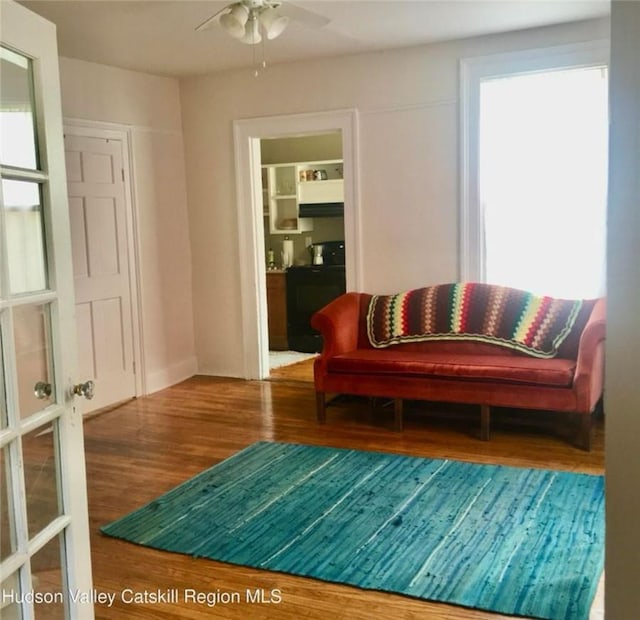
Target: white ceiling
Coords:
[[159, 37]]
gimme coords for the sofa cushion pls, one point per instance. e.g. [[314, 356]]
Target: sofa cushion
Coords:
[[557, 372]]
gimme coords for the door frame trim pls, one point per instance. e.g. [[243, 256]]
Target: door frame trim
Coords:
[[114, 131], [247, 134]]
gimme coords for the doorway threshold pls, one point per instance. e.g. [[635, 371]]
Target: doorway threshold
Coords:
[[278, 359]]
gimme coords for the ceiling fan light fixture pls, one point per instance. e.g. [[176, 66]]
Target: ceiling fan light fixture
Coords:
[[273, 23], [252, 34], [233, 22]]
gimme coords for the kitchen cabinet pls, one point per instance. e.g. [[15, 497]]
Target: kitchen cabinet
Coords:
[[282, 192], [286, 186], [330, 190], [277, 310], [321, 181]]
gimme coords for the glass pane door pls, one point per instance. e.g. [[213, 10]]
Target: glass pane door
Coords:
[[44, 541]]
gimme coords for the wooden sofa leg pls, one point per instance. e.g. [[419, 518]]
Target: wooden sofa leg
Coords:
[[398, 412], [584, 431], [372, 406], [321, 408], [485, 422]]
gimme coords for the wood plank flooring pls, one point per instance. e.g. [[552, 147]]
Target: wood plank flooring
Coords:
[[300, 371], [145, 447]]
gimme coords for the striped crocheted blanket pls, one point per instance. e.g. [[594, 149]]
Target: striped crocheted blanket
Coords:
[[469, 311]]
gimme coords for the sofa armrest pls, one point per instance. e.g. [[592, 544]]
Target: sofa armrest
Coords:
[[588, 380], [338, 324]]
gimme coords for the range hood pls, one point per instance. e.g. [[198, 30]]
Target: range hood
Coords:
[[321, 209], [322, 198]]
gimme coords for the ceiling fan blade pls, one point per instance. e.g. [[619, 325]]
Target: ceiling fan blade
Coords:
[[207, 23], [304, 16]]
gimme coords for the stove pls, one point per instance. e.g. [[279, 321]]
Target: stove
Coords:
[[310, 288]]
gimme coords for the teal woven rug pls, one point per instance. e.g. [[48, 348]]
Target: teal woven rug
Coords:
[[517, 541]]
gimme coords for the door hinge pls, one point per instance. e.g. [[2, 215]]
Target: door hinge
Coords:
[[134, 368], [122, 171]]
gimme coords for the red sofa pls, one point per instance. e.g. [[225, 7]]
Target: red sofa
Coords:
[[458, 371]]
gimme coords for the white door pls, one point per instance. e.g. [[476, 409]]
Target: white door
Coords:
[[97, 208], [45, 563]]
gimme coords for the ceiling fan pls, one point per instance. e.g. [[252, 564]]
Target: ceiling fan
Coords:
[[248, 20]]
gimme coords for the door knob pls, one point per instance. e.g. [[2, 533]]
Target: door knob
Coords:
[[42, 390], [86, 389]]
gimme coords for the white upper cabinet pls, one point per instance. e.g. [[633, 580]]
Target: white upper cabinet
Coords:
[[321, 191], [282, 197], [320, 182]]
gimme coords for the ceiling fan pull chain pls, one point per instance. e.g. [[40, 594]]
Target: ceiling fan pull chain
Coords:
[[264, 54], [256, 71]]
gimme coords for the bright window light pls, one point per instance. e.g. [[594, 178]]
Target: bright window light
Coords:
[[17, 146], [543, 181]]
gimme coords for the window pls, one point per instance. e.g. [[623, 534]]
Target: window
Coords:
[[535, 171], [22, 176]]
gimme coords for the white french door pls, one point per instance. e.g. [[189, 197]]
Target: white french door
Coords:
[[45, 564]]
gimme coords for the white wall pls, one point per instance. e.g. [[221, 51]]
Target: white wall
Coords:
[[150, 107], [303, 148], [408, 106], [622, 397]]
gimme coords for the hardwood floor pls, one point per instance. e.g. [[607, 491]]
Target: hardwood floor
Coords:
[[143, 448], [300, 371]]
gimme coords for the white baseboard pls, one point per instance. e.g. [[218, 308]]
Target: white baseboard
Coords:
[[165, 377]]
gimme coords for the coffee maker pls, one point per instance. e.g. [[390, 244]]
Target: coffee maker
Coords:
[[327, 253]]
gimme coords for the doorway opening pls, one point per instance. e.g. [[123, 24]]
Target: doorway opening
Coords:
[[302, 180], [285, 194]]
